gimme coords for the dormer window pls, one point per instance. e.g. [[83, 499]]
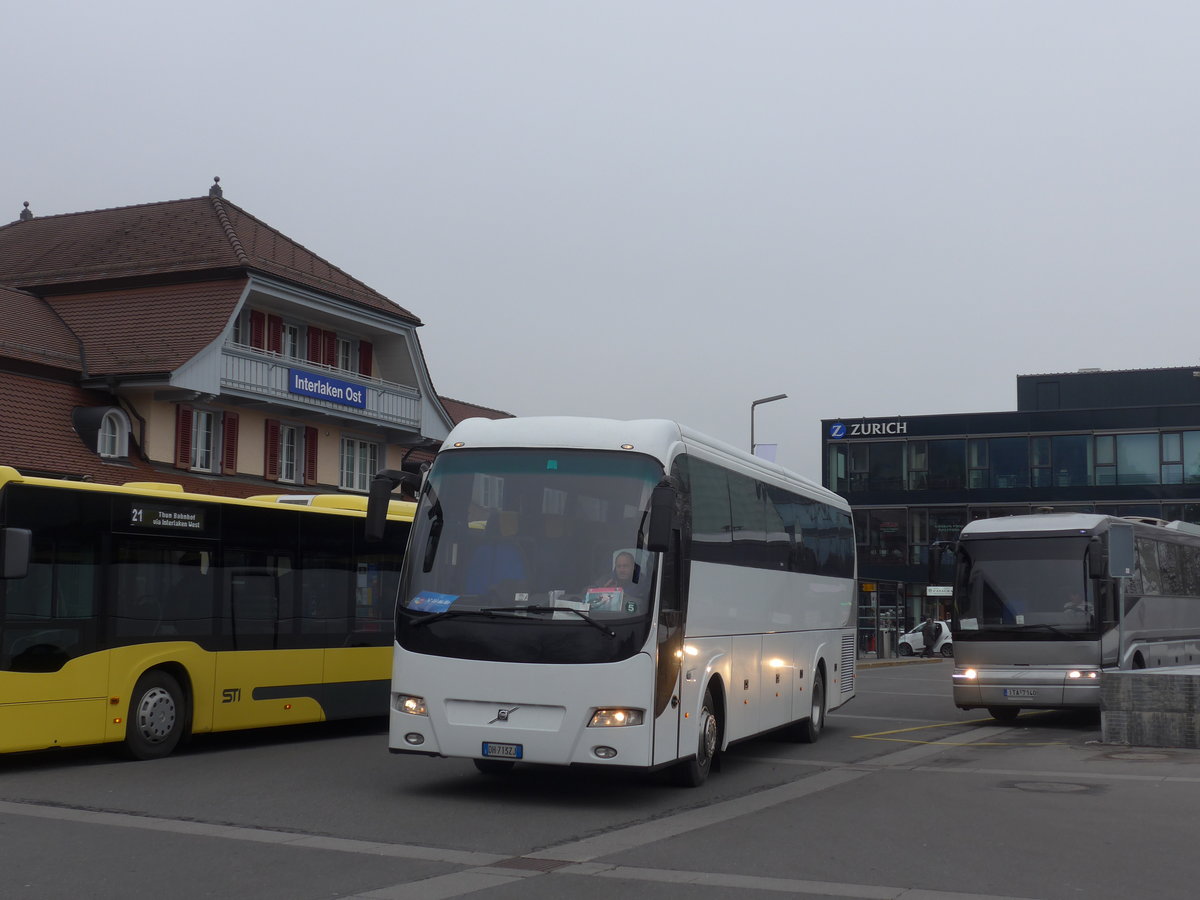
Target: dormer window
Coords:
[[113, 438]]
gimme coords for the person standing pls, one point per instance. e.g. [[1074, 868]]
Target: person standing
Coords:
[[929, 636]]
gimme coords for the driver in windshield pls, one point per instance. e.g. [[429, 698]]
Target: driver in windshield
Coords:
[[624, 585]]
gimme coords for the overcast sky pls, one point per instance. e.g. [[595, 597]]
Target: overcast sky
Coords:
[[669, 208]]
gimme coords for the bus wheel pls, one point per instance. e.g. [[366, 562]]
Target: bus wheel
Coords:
[[494, 766], [156, 716], [1003, 713], [808, 730], [693, 772]]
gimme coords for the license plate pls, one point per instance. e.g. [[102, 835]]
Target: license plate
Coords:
[[1020, 692], [502, 751]]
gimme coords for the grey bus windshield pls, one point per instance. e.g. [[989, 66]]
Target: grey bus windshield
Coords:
[[531, 555], [1039, 585]]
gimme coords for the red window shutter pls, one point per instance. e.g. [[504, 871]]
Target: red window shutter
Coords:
[[329, 348], [258, 329], [229, 443], [275, 334], [183, 437], [365, 358], [314, 344], [271, 451], [310, 455]]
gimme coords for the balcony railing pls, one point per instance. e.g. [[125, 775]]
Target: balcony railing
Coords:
[[256, 371]]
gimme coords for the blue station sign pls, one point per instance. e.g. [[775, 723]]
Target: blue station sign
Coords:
[[325, 388]]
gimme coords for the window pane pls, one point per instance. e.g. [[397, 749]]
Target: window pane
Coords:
[[1171, 447], [1137, 459], [1191, 457], [1105, 455], [1010, 462], [947, 465], [887, 466], [1069, 459]]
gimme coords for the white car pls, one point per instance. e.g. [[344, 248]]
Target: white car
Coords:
[[914, 642]]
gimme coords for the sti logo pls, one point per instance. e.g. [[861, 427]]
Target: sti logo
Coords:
[[839, 430]]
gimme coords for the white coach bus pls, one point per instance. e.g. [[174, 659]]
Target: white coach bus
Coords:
[[615, 593], [1045, 604]]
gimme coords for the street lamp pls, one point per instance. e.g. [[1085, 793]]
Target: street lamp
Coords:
[[752, 406]]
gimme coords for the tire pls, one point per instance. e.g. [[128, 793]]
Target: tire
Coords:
[[1003, 713], [905, 650], [693, 772], [494, 766], [947, 650], [809, 730], [157, 716]]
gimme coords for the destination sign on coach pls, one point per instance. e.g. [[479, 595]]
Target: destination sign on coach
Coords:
[[840, 430]]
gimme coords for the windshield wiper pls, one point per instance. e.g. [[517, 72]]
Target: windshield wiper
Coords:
[[454, 613], [553, 609]]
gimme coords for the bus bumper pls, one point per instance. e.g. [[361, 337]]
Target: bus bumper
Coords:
[[1028, 687]]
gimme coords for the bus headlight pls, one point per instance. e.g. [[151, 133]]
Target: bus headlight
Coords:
[[407, 703], [966, 674], [611, 718], [1075, 673]]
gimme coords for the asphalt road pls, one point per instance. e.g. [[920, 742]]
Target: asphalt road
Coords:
[[904, 796]]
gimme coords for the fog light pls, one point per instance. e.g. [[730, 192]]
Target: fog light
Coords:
[[414, 738], [407, 703], [1074, 673], [604, 752]]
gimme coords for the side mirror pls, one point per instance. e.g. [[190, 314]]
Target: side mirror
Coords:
[[1097, 559], [662, 517], [380, 495], [16, 548]]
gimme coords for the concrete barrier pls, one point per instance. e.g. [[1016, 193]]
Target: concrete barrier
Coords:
[[1151, 707]]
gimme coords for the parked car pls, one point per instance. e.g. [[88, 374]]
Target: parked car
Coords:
[[914, 642]]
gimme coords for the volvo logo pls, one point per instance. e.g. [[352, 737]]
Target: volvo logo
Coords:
[[502, 714]]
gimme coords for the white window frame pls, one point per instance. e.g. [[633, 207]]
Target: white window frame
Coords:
[[112, 440], [292, 341], [344, 355], [204, 440], [358, 461], [290, 441]]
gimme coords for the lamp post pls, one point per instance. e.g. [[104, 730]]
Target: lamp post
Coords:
[[752, 407]]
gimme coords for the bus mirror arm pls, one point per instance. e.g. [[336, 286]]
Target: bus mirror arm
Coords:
[[662, 516], [1097, 560], [15, 551], [380, 494]]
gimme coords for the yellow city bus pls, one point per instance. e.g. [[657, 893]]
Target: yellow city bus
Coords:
[[141, 614]]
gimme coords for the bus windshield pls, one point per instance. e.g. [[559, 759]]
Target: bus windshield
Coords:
[[531, 555], [1036, 585]]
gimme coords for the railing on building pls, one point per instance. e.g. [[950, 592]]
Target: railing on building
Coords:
[[256, 371]]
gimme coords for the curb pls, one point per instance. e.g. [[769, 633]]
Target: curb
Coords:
[[879, 663]]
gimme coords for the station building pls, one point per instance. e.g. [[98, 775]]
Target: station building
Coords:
[[1121, 443], [189, 342]]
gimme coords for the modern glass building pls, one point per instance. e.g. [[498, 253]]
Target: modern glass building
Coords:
[[1123, 443]]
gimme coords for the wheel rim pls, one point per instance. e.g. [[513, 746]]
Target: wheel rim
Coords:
[[156, 715], [818, 707], [708, 737]]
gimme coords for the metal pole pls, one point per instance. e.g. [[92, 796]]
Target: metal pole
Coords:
[[758, 403]]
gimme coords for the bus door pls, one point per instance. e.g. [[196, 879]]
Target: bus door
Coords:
[[262, 677], [668, 670]]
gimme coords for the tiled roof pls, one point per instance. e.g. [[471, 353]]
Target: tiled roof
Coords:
[[36, 433], [149, 329], [30, 331], [173, 238], [460, 409]]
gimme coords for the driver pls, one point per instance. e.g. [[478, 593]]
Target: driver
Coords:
[[622, 589]]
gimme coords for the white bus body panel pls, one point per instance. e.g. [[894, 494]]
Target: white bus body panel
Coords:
[[546, 708]]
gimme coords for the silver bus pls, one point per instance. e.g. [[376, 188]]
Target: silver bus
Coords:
[[1045, 604]]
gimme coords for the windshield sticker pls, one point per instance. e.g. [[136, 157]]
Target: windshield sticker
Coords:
[[605, 598], [432, 601]]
